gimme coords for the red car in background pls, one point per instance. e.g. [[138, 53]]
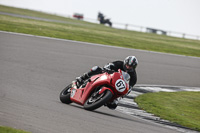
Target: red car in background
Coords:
[[78, 16]]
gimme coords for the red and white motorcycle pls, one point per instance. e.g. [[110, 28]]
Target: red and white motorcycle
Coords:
[[99, 90]]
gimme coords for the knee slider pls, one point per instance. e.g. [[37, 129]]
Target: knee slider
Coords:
[[85, 76]]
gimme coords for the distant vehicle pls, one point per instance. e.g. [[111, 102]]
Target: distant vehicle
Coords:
[[78, 16], [102, 19]]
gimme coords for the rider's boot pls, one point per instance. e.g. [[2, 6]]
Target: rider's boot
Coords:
[[113, 105], [80, 80]]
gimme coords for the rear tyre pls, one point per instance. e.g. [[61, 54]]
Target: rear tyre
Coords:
[[65, 95], [96, 100]]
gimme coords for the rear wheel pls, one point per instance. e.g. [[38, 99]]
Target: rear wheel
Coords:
[[65, 95], [96, 100]]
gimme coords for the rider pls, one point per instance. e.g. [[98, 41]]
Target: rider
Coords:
[[101, 17], [128, 65]]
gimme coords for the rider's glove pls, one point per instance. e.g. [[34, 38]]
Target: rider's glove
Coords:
[[108, 67]]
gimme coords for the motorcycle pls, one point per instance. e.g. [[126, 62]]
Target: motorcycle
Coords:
[[106, 21], [102, 20], [98, 90]]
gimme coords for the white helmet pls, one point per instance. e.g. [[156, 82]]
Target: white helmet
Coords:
[[130, 63]]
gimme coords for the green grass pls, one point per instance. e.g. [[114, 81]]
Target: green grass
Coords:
[[30, 13], [178, 107], [95, 33], [10, 130]]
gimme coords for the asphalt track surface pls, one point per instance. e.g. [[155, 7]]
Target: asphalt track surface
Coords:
[[33, 71]]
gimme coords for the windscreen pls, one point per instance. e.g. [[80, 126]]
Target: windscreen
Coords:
[[126, 77]]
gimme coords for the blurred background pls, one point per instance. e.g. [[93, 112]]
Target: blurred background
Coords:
[[171, 17]]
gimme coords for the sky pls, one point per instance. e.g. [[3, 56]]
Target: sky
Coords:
[[170, 15]]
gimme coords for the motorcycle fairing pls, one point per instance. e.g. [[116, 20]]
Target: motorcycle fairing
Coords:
[[96, 81], [116, 79]]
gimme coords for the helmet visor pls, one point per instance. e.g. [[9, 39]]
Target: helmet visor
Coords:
[[129, 67]]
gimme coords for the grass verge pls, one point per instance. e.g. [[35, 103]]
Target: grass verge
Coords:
[[179, 107], [10, 130], [95, 33]]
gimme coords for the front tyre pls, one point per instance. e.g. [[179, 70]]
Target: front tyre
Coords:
[[96, 100], [65, 95]]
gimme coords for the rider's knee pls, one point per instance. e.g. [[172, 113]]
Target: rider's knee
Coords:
[[96, 69]]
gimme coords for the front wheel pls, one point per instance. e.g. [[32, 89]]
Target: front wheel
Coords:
[[96, 100], [65, 95]]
